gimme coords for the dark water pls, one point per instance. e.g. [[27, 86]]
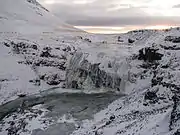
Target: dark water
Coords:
[[80, 106]]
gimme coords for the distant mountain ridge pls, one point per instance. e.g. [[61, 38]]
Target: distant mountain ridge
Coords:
[[37, 3]]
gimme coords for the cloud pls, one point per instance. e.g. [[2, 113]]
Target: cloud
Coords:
[[115, 12], [176, 6], [125, 21]]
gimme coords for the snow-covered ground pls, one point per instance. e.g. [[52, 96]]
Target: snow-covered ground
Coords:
[[151, 84], [43, 53], [27, 31]]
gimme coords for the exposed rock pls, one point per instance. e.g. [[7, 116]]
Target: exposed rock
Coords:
[[173, 39], [104, 42], [150, 95], [175, 115], [45, 54], [50, 63], [53, 79], [149, 54], [22, 95], [74, 84], [79, 37], [34, 47], [88, 40], [119, 39], [82, 73], [112, 117], [67, 49], [156, 81], [177, 132], [36, 82], [131, 41], [174, 47], [6, 44]]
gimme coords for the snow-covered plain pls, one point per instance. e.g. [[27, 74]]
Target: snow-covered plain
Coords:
[[43, 53]]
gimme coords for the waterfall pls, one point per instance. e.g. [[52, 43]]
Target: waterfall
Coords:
[[82, 74]]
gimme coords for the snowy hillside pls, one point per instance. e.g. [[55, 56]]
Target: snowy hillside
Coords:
[[52, 70], [27, 32], [149, 75], [28, 17]]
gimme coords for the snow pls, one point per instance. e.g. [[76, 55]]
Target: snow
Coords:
[[14, 20], [15, 76], [21, 21], [33, 119], [70, 48]]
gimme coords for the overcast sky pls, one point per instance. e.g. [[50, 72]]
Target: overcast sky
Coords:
[[116, 15]]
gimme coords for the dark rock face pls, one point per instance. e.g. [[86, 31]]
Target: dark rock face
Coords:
[[157, 80], [149, 54], [112, 117], [175, 115], [75, 84], [21, 47], [119, 39], [34, 47], [82, 73], [150, 95], [172, 39], [36, 82], [52, 79], [6, 44], [131, 41], [37, 3], [88, 40], [177, 132], [22, 95], [174, 47], [45, 54]]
